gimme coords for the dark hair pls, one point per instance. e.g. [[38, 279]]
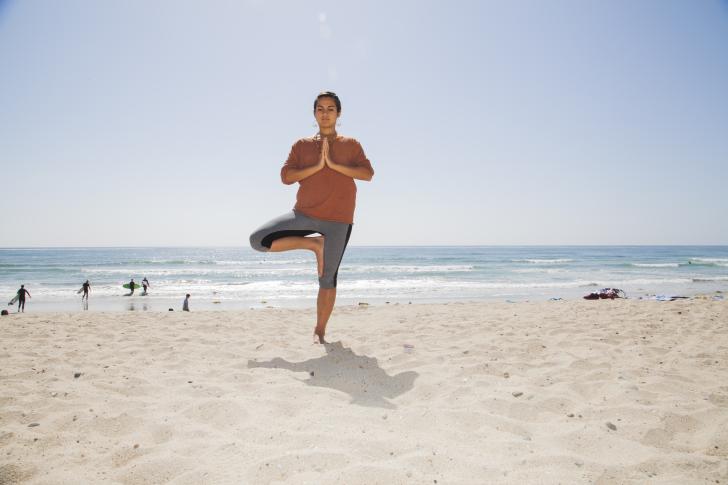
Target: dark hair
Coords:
[[328, 94], [188, 295]]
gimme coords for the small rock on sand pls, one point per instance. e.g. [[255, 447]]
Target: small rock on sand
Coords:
[[611, 426]]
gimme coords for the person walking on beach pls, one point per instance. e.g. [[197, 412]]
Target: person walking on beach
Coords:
[[21, 298], [86, 287], [325, 167], [186, 303], [145, 285]]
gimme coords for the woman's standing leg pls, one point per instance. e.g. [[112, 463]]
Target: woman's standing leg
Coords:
[[336, 237]]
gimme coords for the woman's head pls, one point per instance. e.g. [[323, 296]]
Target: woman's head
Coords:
[[327, 109], [330, 95]]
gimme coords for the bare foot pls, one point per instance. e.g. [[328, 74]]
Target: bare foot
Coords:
[[318, 244], [318, 338]]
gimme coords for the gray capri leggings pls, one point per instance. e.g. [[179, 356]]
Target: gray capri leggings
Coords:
[[336, 237]]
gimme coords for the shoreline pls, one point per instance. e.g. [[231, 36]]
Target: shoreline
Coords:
[[123, 304]]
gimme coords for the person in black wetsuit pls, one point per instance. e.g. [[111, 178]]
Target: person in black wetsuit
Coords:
[[145, 285], [131, 286], [86, 287], [21, 298]]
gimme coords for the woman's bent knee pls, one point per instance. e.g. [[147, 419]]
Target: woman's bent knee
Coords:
[[256, 242]]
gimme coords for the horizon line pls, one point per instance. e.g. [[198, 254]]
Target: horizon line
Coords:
[[370, 246]]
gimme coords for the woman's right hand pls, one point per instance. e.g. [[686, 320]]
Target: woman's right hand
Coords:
[[324, 153]]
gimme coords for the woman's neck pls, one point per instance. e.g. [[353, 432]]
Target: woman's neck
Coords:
[[328, 133]]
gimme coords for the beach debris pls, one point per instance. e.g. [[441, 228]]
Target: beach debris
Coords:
[[171, 309], [517, 394], [606, 293], [363, 303], [408, 348], [667, 297], [5, 312], [611, 426], [506, 375], [136, 445], [311, 373], [77, 375], [217, 302], [555, 299], [33, 425], [570, 415]]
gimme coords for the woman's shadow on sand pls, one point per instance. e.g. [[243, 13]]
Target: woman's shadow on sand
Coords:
[[357, 375]]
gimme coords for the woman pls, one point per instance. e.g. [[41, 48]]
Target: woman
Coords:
[[325, 167]]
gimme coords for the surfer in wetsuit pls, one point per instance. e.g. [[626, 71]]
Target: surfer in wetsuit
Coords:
[[145, 285], [86, 287], [131, 286], [325, 166], [21, 298]]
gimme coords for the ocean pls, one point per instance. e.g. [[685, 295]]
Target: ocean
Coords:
[[236, 278]]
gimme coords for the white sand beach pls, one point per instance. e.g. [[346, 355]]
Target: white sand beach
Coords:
[[463, 393]]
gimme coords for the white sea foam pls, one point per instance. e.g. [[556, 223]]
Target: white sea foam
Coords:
[[393, 268], [656, 265], [544, 261], [710, 260]]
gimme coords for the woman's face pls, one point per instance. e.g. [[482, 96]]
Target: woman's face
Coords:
[[326, 114]]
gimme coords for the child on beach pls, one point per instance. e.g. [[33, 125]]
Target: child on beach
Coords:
[[325, 167], [186, 303]]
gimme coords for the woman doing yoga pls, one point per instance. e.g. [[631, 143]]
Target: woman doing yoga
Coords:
[[325, 167]]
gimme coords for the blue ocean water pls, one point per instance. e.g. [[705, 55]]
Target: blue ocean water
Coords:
[[232, 278]]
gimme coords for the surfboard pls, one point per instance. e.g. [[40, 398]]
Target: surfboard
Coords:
[[79, 291], [128, 286], [15, 298]]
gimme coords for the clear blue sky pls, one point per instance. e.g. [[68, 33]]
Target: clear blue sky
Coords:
[[525, 122]]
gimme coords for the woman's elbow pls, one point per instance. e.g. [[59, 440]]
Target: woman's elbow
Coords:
[[285, 178]]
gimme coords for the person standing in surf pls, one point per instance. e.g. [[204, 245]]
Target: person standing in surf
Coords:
[[22, 292], [85, 287], [325, 167]]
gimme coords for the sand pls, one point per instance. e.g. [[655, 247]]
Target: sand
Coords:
[[548, 392]]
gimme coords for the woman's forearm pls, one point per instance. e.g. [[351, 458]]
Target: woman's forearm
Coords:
[[359, 173], [293, 175]]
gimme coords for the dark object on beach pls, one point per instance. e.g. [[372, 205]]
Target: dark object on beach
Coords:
[[5, 312], [171, 309], [604, 293]]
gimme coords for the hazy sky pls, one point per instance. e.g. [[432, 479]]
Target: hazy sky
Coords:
[[511, 122]]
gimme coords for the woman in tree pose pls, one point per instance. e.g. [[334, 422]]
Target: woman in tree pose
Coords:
[[325, 167]]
